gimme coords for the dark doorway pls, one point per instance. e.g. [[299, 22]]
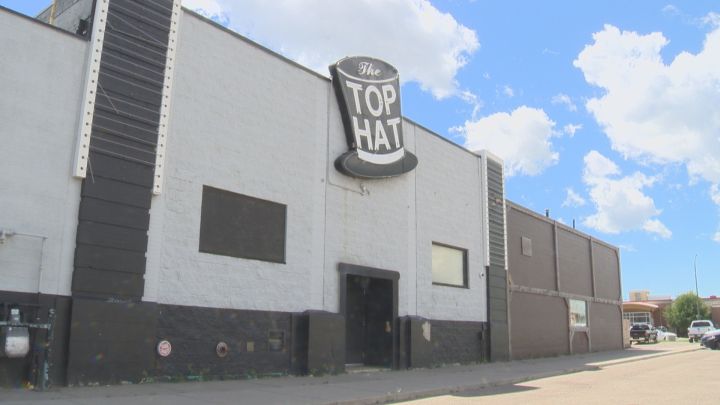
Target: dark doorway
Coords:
[[369, 320]]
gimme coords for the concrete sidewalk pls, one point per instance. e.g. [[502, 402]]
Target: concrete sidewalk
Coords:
[[358, 388]]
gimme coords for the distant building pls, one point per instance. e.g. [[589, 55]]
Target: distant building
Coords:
[[645, 308]]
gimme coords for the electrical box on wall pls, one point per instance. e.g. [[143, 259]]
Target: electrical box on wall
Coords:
[[14, 339]]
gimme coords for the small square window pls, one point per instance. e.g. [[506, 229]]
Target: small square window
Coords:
[[578, 313], [449, 265], [526, 246]]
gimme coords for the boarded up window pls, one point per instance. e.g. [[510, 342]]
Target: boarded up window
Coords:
[[526, 246], [242, 226], [449, 265]]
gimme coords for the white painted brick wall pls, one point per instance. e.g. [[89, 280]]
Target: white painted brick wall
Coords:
[[249, 122], [449, 209], [41, 79]]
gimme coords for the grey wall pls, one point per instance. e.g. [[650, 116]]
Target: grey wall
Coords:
[[605, 338], [543, 332], [41, 78], [588, 270], [247, 121], [537, 270], [607, 273], [575, 275]]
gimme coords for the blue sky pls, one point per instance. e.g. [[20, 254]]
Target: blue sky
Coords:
[[606, 112]]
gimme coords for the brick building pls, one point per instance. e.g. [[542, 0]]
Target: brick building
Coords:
[[185, 200]]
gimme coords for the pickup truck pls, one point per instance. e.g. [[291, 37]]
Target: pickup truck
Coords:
[[698, 328], [643, 332]]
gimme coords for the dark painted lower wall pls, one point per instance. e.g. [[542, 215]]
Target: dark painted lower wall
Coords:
[[259, 342], [19, 372], [427, 342], [459, 342], [110, 342]]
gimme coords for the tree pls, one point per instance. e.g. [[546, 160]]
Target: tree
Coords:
[[685, 309]]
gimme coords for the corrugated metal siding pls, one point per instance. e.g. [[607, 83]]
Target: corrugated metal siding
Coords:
[[497, 275], [496, 213], [115, 202]]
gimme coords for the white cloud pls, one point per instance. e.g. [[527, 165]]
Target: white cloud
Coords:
[[521, 138], [570, 129], [472, 99], [620, 202], [598, 167], [426, 45], [716, 238], [655, 226], [508, 91], [652, 111], [712, 19], [670, 9], [715, 193], [573, 199], [208, 8], [565, 100]]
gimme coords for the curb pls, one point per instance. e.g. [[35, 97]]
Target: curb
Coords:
[[409, 396]]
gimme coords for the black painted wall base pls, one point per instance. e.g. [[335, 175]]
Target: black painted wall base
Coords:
[[111, 342], [258, 342], [106, 342], [426, 342]]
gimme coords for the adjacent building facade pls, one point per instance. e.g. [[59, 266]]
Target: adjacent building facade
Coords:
[[175, 199], [564, 288]]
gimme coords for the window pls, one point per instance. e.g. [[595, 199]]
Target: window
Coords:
[[242, 226], [449, 265], [578, 313], [638, 317]]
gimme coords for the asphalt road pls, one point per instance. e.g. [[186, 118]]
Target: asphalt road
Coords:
[[684, 378]]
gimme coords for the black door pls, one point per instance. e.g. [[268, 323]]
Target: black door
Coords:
[[369, 321]]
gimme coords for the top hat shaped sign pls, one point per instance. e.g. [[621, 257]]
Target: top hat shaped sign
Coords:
[[368, 92]]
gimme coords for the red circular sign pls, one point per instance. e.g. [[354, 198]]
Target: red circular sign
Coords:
[[164, 348]]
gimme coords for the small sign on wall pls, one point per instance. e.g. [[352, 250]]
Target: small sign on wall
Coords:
[[164, 348], [368, 93]]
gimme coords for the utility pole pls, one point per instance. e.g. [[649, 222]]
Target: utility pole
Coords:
[[697, 294]]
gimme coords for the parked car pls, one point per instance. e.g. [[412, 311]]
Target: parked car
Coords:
[[711, 340], [698, 328], [643, 332], [664, 334]]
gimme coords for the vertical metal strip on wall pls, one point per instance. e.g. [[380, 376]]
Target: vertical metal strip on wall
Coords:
[[498, 290], [80, 162], [166, 98]]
